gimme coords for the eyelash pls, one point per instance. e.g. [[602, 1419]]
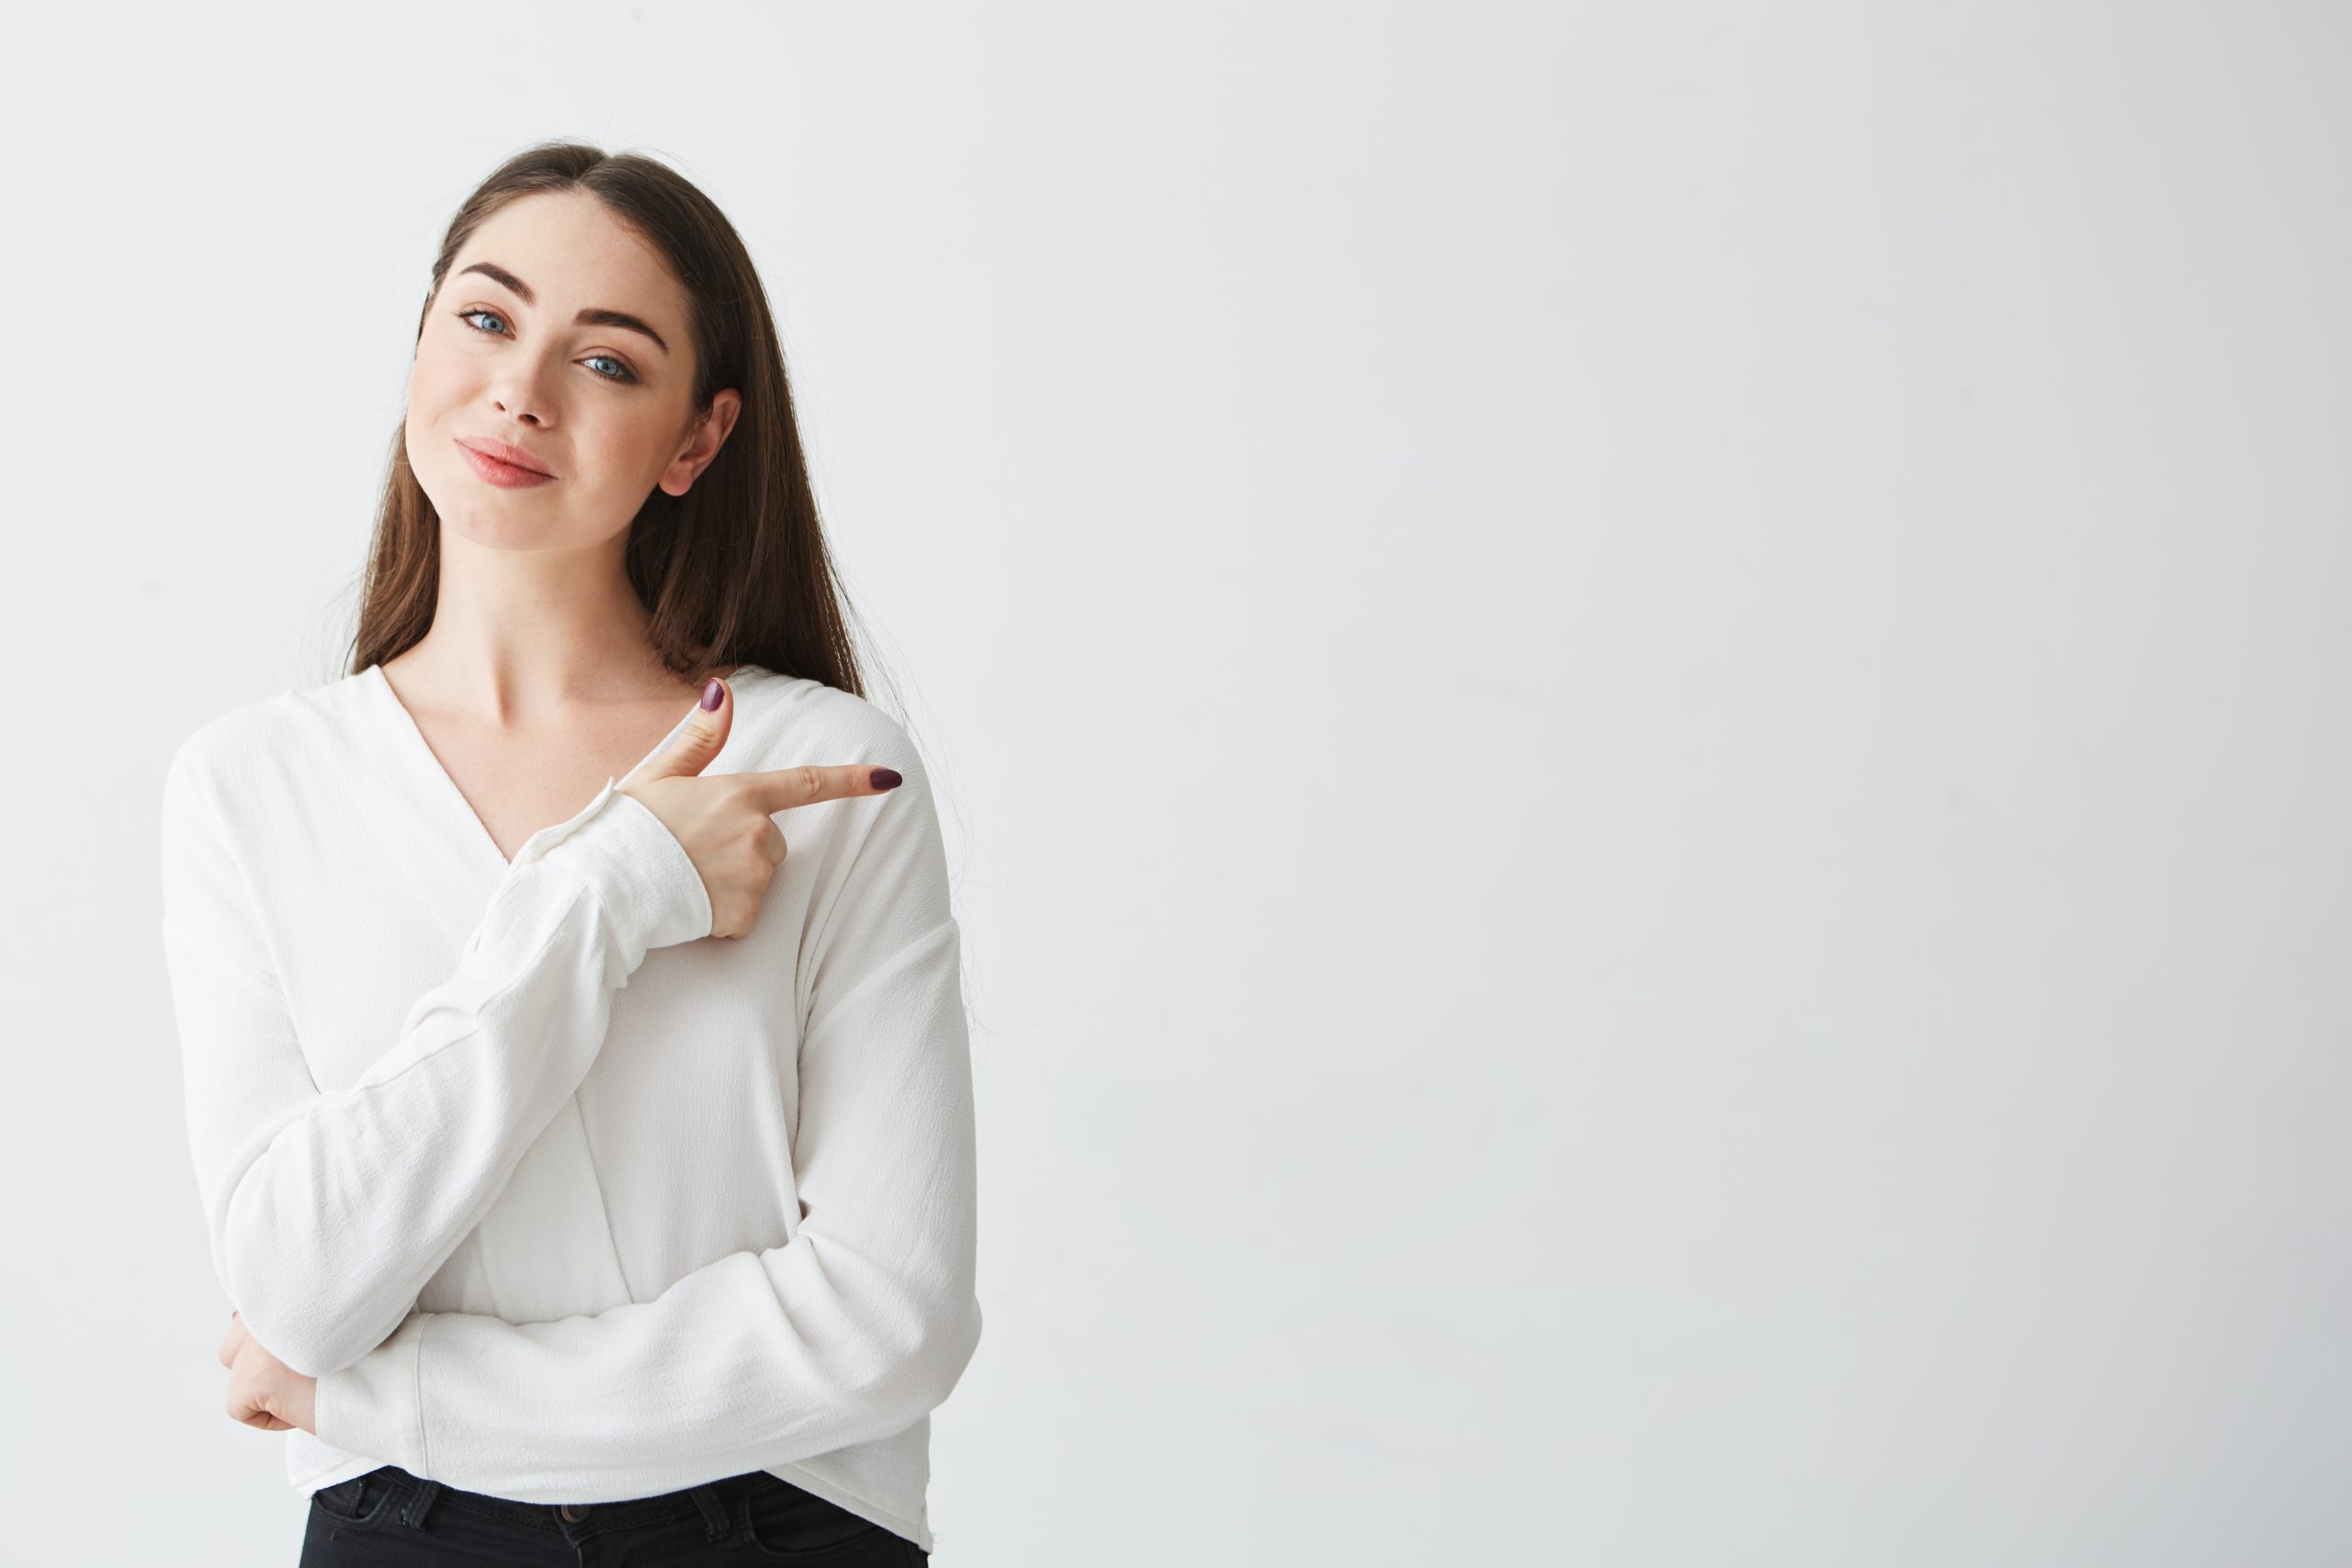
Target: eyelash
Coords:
[[625, 376]]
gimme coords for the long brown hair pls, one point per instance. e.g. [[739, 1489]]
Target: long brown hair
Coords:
[[734, 572]]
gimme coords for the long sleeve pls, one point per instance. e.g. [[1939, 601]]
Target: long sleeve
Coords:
[[852, 1330], [328, 1212]]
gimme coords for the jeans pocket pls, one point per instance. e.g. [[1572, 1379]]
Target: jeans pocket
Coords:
[[787, 1525], [359, 1501]]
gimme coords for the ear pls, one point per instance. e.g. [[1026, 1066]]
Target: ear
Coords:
[[710, 437]]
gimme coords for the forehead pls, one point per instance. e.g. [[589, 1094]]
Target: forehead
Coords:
[[570, 250]]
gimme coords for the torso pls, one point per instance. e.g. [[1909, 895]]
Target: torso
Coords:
[[520, 779]]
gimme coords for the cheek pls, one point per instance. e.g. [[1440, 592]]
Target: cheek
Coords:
[[434, 380], [626, 450], [436, 391]]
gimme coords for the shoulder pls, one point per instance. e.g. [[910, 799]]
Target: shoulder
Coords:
[[781, 721], [245, 749]]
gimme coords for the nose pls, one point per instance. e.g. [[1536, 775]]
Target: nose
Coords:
[[521, 411], [519, 391]]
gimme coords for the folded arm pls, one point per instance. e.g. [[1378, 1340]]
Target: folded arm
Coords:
[[328, 1212], [853, 1329]]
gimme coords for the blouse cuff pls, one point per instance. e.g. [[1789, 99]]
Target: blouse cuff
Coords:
[[374, 1407], [643, 875]]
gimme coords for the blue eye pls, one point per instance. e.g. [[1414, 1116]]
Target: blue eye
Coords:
[[625, 374]]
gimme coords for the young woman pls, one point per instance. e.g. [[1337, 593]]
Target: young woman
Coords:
[[584, 1170]]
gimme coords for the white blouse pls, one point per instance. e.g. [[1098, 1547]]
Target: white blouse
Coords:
[[559, 1198]]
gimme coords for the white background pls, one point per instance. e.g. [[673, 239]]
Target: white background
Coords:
[[1641, 712]]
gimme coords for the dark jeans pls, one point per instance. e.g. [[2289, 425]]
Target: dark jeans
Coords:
[[388, 1518]]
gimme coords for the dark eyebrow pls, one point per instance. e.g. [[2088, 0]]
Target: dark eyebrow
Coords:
[[588, 317]]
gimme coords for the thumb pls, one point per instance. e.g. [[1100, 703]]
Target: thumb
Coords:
[[699, 740]]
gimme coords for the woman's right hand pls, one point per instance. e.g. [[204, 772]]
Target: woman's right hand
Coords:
[[727, 823]]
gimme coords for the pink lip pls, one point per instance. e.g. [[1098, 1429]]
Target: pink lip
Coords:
[[501, 464]]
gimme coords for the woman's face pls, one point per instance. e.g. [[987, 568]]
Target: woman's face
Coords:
[[558, 332]]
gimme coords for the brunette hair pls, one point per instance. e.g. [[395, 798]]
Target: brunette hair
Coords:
[[735, 571]]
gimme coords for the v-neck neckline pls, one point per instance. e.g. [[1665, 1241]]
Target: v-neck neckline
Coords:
[[421, 750]]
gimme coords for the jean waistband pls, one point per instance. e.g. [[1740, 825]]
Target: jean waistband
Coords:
[[620, 1514]]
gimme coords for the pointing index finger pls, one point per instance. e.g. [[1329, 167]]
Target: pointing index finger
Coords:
[[780, 789]]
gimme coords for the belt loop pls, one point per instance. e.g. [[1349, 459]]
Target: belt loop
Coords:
[[426, 1492], [706, 1498]]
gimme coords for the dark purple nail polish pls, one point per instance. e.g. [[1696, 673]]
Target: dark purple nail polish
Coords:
[[885, 778], [712, 694]]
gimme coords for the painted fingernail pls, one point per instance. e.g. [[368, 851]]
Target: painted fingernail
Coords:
[[883, 778], [712, 694]]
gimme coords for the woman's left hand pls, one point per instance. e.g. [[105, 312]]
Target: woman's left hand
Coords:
[[263, 1392]]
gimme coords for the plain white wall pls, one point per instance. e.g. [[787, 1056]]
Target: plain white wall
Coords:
[[1642, 710]]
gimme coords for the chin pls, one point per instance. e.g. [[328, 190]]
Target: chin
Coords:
[[493, 528]]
